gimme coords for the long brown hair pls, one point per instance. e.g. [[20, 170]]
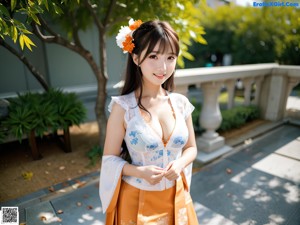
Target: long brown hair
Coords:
[[146, 38]]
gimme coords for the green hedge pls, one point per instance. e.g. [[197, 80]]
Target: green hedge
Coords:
[[237, 117], [41, 112], [231, 118]]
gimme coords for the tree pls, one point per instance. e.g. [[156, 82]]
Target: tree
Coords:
[[251, 35], [107, 16], [14, 16]]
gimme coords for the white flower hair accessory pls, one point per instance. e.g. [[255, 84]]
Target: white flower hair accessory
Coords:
[[124, 38]]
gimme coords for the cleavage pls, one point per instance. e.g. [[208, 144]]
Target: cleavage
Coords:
[[162, 120]]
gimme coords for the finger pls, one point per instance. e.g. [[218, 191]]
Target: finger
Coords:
[[169, 172], [172, 178], [169, 166], [157, 167], [158, 176], [169, 176], [158, 172]]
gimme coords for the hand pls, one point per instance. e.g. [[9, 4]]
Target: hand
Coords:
[[152, 174], [173, 170]]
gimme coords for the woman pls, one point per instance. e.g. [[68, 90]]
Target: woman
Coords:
[[156, 130]]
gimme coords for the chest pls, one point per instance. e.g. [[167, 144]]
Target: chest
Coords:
[[160, 117]]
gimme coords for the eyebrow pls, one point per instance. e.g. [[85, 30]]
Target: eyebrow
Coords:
[[158, 52]]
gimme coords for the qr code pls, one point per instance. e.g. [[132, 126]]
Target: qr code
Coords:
[[10, 215]]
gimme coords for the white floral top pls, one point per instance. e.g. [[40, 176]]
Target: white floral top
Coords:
[[144, 145]]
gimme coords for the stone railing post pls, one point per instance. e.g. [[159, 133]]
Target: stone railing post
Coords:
[[293, 82], [275, 92], [182, 89], [210, 118], [247, 82], [258, 85], [230, 85]]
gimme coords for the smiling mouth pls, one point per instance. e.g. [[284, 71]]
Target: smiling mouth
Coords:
[[160, 76]]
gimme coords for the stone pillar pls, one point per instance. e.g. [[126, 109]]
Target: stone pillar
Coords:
[[247, 91], [293, 82], [182, 89], [210, 118], [275, 96], [258, 86], [230, 84]]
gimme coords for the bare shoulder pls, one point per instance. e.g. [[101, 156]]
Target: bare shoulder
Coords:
[[117, 114], [179, 97]]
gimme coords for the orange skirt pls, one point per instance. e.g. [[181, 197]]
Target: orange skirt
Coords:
[[173, 206]]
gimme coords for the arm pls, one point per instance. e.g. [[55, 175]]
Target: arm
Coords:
[[115, 133], [188, 156]]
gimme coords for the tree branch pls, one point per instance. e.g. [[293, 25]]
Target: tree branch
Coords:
[[45, 26], [94, 14], [37, 74], [75, 32], [112, 4], [57, 39]]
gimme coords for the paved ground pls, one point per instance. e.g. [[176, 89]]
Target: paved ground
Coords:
[[256, 184], [259, 184]]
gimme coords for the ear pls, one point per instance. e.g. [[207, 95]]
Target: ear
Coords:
[[135, 59]]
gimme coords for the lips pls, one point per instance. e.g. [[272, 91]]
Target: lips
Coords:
[[160, 76]]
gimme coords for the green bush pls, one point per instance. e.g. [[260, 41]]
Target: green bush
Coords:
[[42, 112], [196, 115], [68, 109], [231, 118], [94, 154], [236, 117]]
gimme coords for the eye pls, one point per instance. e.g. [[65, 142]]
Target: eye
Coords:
[[153, 56], [171, 57]]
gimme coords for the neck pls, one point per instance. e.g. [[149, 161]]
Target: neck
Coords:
[[153, 91]]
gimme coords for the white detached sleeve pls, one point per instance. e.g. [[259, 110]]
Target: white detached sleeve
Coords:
[[111, 167], [111, 170]]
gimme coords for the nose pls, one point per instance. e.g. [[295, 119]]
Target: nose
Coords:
[[162, 66]]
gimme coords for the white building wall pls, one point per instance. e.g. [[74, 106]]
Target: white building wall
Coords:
[[61, 67]]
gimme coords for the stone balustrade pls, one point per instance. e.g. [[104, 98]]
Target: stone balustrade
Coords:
[[273, 84]]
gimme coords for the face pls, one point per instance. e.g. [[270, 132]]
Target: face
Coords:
[[157, 67]]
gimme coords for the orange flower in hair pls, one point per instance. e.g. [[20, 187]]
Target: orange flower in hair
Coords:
[[124, 38], [135, 25], [127, 44]]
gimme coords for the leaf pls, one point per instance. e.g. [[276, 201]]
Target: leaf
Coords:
[[45, 2], [27, 175], [28, 42], [60, 211], [13, 4], [57, 9], [187, 55], [15, 34], [35, 18], [51, 189], [228, 171], [21, 40], [31, 3], [201, 40], [4, 11]]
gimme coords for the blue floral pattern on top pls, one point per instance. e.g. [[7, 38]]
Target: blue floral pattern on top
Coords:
[[152, 146], [145, 147], [178, 140], [134, 140]]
